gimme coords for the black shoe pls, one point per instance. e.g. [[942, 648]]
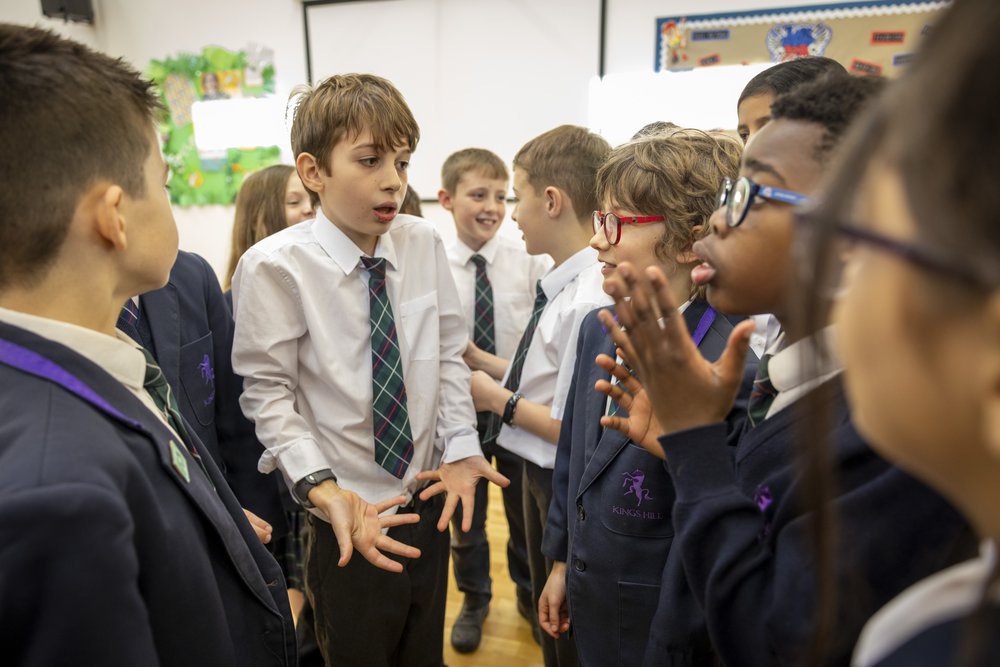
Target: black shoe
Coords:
[[468, 629]]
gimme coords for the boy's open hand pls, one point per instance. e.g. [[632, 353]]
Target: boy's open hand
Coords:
[[684, 389], [640, 425], [459, 480], [358, 525]]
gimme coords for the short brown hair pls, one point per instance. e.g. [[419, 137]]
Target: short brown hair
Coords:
[[568, 158], [70, 117], [676, 176], [260, 211], [345, 105], [462, 162]]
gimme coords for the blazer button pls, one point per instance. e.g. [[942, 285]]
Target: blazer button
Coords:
[[580, 513], [579, 565]]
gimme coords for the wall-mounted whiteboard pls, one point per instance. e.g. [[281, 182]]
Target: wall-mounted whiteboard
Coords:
[[486, 73]]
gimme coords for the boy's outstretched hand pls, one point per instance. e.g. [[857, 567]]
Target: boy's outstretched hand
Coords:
[[358, 525], [640, 425], [459, 479], [685, 390]]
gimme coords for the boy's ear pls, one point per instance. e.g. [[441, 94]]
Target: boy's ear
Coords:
[[991, 365], [104, 202], [554, 201], [444, 197], [309, 171]]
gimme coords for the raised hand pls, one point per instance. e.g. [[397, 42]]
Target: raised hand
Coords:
[[358, 525], [684, 389], [459, 480], [640, 425]]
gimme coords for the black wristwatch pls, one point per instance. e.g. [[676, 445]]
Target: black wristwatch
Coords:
[[307, 483], [510, 408]]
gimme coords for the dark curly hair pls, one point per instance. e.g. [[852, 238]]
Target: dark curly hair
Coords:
[[833, 101]]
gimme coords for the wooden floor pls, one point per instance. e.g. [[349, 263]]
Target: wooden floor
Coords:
[[507, 638]]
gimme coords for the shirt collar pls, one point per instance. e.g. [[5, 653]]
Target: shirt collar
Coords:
[[464, 253], [559, 276], [342, 250], [119, 356], [806, 360]]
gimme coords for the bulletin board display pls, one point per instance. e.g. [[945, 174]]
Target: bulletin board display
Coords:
[[877, 38], [200, 178]]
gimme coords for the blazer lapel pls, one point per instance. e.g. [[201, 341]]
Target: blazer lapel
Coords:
[[162, 311], [601, 444]]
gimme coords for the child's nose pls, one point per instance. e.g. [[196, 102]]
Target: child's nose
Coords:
[[718, 222], [598, 241]]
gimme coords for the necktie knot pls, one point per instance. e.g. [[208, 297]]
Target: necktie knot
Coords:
[[375, 266], [479, 261], [130, 310], [540, 298], [763, 393]]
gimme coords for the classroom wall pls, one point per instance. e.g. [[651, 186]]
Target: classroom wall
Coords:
[[140, 30]]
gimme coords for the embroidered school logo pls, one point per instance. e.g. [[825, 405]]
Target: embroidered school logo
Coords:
[[207, 377], [787, 41], [632, 483]]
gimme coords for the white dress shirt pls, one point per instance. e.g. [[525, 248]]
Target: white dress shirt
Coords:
[[801, 367], [120, 357], [303, 345], [574, 288], [513, 274]]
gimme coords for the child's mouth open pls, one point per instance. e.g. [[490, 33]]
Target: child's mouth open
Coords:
[[385, 213]]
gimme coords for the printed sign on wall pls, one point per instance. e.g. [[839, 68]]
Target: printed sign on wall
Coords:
[[866, 37]]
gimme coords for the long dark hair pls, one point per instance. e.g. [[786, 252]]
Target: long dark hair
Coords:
[[260, 211], [936, 127]]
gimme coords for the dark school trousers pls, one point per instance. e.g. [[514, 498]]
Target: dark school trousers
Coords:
[[470, 552], [369, 617], [537, 484]]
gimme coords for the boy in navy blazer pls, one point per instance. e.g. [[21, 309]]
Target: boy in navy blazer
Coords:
[[746, 526], [609, 527], [123, 544], [188, 328]]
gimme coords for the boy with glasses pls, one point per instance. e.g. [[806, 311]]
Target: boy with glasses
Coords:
[[749, 523]]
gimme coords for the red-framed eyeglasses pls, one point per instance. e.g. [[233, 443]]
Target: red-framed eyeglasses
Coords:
[[611, 223]]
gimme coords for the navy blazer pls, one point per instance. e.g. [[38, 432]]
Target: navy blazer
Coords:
[[609, 519], [116, 548], [188, 328], [743, 536]]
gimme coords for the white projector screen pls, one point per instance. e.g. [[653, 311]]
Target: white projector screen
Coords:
[[485, 73]]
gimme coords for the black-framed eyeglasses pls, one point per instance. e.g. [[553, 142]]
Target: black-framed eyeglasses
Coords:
[[737, 197], [923, 257], [611, 223]]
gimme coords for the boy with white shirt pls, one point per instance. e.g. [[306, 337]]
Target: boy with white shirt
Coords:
[[555, 177], [314, 304], [496, 285]]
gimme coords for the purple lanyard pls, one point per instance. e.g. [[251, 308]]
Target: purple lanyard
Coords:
[[35, 364], [703, 325]]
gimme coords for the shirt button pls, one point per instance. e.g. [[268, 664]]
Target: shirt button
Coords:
[[581, 514], [579, 565]]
